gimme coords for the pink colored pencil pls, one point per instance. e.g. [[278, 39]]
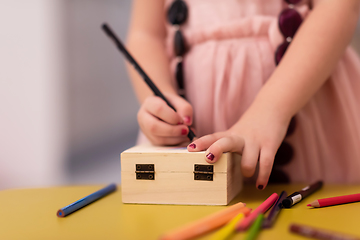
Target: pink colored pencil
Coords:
[[335, 200], [246, 222]]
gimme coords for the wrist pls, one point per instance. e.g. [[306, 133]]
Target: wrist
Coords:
[[274, 108]]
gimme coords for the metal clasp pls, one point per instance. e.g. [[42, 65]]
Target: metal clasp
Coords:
[[145, 171], [203, 172]]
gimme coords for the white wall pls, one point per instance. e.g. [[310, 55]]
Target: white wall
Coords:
[[65, 98], [32, 114]]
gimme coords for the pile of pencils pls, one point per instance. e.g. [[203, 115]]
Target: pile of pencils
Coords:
[[239, 218]]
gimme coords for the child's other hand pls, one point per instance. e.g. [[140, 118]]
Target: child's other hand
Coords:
[[256, 136], [161, 124]]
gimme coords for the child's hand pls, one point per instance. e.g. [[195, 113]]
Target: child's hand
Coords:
[[161, 124], [256, 136]]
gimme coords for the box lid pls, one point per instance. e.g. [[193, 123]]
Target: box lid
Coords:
[[173, 159]]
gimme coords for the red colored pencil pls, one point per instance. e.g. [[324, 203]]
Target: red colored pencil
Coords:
[[335, 200]]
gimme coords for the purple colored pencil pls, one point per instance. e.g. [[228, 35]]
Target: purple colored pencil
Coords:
[[269, 221]]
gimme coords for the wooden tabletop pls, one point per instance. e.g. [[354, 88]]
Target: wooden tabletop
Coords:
[[31, 214]]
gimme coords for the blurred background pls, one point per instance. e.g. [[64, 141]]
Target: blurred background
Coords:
[[67, 108]]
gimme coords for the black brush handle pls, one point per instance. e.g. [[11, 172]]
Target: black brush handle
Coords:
[[137, 67]]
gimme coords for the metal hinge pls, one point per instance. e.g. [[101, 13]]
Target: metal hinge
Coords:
[[203, 172], [145, 171]]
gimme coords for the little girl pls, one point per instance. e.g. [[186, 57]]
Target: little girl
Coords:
[[273, 80]]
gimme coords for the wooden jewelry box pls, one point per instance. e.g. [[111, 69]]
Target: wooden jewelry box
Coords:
[[172, 175]]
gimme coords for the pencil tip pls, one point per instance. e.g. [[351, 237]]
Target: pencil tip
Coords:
[[309, 205]]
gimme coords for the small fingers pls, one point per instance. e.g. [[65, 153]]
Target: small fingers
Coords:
[[221, 142], [249, 159], [204, 142], [230, 143], [265, 166], [158, 108], [183, 108], [153, 126], [252, 154]]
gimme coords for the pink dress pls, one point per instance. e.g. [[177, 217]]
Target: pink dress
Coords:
[[231, 55]]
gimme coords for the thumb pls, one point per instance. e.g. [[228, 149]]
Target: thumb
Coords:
[[183, 108]]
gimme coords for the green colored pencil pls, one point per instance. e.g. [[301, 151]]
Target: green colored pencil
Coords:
[[255, 228]]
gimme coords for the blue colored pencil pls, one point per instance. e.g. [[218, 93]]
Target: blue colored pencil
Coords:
[[65, 211]]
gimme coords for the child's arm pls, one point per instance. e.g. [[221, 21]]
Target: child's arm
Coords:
[[146, 42], [308, 62]]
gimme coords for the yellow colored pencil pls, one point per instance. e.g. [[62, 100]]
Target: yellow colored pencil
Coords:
[[229, 229]]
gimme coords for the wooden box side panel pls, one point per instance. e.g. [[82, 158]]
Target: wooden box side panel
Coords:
[[234, 176], [174, 188], [174, 178]]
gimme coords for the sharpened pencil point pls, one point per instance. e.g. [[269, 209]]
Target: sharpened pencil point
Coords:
[[309, 205]]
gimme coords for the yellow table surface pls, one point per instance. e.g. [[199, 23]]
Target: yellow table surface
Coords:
[[31, 214]]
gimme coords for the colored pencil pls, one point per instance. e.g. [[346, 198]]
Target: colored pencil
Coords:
[[255, 228], [269, 221], [246, 222], [335, 200], [65, 211], [296, 197], [207, 224], [311, 232], [137, 67], [229, 229]]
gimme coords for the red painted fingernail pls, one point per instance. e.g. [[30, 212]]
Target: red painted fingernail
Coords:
[[187, 119], [260, 187], [183, 131], [193, 145], [210, 156]]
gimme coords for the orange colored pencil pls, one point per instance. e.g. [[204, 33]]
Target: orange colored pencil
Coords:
[[207, 224]]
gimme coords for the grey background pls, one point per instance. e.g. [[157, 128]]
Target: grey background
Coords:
[[101, 104]]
